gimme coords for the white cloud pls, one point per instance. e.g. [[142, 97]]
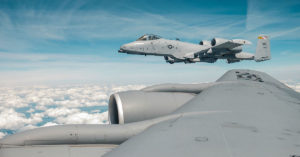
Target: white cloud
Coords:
[[23, 108], [10, 119], [80, 96], [2, 135], [56, 112], [31, 110], [49, 124], [127, 87], [295, 86], [83, 118], [26, 127]]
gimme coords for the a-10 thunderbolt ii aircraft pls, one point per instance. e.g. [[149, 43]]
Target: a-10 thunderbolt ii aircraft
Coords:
[[244, 113], [206, 51]]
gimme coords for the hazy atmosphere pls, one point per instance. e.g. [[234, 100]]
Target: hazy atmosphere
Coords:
[[59, 61]]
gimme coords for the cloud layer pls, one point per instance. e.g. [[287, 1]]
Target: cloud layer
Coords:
[[23, 108]]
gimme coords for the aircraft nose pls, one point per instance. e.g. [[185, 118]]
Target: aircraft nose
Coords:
[[123, 48]]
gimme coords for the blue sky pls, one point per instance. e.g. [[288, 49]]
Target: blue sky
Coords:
[[65, 42]]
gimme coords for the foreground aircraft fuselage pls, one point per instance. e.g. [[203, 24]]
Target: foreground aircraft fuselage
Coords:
[[244, 113], [206, 51]]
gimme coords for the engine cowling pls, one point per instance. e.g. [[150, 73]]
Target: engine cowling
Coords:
[[236, 49], [133, 106], [218, 41], [205, 43], [244, 56]]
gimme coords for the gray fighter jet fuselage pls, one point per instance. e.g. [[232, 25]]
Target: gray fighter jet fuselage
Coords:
[[206, 51]]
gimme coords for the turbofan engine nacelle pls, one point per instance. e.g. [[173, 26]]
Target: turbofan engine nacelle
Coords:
[[237, 49], [218, 41], [205, 43], [133, 106]]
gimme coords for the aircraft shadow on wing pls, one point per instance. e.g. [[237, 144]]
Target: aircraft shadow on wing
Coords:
[[175, 51]]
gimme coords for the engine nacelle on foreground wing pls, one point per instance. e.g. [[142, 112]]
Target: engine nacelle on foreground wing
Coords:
[[133, 106]]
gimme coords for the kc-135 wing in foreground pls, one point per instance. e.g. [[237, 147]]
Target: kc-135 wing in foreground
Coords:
[[244, 113]]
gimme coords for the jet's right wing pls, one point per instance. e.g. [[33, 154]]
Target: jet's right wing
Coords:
[[247, 114]]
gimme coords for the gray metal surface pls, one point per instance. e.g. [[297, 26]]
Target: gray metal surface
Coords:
[[80, 133], [134, 106], [177, 51], [183, 88], [96, 150], [244, 113], [238, 117]]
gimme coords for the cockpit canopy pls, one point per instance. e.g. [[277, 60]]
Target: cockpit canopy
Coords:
[[148, 37]]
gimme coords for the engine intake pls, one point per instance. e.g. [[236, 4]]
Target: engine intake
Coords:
[[218, 41], [133, 106], [205, 43]]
